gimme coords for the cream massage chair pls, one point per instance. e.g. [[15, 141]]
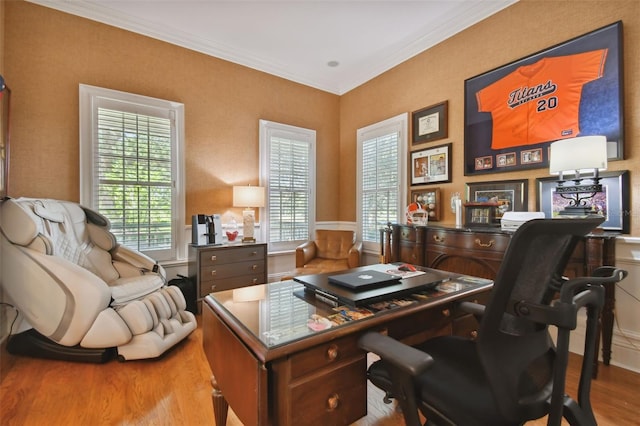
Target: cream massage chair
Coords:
[[79, 295]]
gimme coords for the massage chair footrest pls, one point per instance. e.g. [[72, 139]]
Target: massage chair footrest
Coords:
[[33, 344]]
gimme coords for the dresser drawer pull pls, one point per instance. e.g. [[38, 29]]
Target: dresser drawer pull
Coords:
[[254, 281], [332, 352], [214, 272], [481, 244], [333, 402], [438, 239], [446, 313], [474, 334], [254, 267], [214, 258], [213, 287], [254, 253]]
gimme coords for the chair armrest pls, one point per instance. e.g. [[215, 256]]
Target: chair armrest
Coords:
[[354, 255], [130, 262], [304, 253], [472, 308], [405, 358]]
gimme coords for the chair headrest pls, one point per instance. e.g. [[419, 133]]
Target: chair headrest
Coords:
[[16, 223]]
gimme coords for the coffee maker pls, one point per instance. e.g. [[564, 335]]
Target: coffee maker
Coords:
[[206, 229]]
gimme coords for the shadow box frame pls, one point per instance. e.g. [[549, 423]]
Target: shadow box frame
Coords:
[[430, 123], [515, 191], [431, 165], [615, 198], [435, 211], [600, 110]]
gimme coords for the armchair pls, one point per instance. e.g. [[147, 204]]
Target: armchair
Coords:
[[513, 372], [79, 295], [331, 250]]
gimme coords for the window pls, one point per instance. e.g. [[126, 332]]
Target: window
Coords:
[[287, 164], [381, 186], [130, 151]]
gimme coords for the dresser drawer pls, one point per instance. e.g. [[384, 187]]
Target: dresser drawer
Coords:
[[207, 287], [327, 354], [333, 397], [468, 240], [228, 270], [231, 255], [411, 234]]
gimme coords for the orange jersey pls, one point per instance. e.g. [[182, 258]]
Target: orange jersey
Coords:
[[540, 102]]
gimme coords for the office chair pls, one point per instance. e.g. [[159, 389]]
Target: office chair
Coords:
[[513, 372]]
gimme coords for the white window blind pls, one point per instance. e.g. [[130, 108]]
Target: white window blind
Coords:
[[288, 168], [133, 169], [381, 176]]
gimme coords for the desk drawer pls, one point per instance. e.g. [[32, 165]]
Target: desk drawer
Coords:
[[421, 326], [321, 356], [331, 397], [231, 255], [469, 241]]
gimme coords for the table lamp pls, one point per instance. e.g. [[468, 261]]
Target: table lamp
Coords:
[[248, 197], [583, 157]]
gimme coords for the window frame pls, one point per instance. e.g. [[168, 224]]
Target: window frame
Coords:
[[92, 97], [399, 124], [267, 130]]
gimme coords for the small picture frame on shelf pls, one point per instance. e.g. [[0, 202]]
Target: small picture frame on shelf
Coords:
[[429, 199], [481, 215]]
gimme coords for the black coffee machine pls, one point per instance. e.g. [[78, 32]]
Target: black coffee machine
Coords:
[[206, 229]]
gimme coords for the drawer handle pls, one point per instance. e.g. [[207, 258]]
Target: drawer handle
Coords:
[[213, 287], [213, 272], [438, 239], [254, 267], [333, 402], [446, 312], [332, 352], [214, 258], [254, 253], [481, 244], [254, 281], [474, 334]]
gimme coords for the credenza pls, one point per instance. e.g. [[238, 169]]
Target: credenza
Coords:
[[479, 252]]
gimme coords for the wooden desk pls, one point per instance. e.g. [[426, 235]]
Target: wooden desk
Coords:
[[274, 370], [479, 252]]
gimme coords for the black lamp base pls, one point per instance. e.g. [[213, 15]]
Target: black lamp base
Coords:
[[576, 211]]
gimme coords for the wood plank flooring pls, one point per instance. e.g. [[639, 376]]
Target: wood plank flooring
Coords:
[[175, 390]]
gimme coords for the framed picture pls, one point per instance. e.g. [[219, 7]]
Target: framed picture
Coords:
[[431, 165], [612, 202], [5, 95], [509, 195], [430, 123], [572, 89], [430, 200]]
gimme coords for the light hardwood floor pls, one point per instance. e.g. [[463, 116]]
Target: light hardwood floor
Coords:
[[175, 390]]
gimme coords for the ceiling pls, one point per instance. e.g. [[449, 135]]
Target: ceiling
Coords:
[[296, 39]]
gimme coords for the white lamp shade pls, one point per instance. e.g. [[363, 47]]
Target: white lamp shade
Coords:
[[248, 196], [584, 153]]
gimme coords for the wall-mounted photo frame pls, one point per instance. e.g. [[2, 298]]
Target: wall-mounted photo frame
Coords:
[[429, 199], [430, 123], [572, 89], [613, 202], [5, 96], [431, 165], [509, 195]]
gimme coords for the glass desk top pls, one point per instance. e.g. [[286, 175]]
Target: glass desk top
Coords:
[[282, 312]]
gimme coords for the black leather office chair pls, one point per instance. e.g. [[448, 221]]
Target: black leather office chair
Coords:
[[513, 372]]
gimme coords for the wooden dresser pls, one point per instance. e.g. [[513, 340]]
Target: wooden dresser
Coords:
[[479, 252], [228, 266]]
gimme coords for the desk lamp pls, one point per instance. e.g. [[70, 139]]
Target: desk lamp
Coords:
[[583, 157], [248, 197]]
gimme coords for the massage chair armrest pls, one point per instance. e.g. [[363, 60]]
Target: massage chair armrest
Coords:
[[130, 263], [305, 252], [354, 255]]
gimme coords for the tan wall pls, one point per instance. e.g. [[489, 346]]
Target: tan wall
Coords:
[[438, 74], [49, 53]]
